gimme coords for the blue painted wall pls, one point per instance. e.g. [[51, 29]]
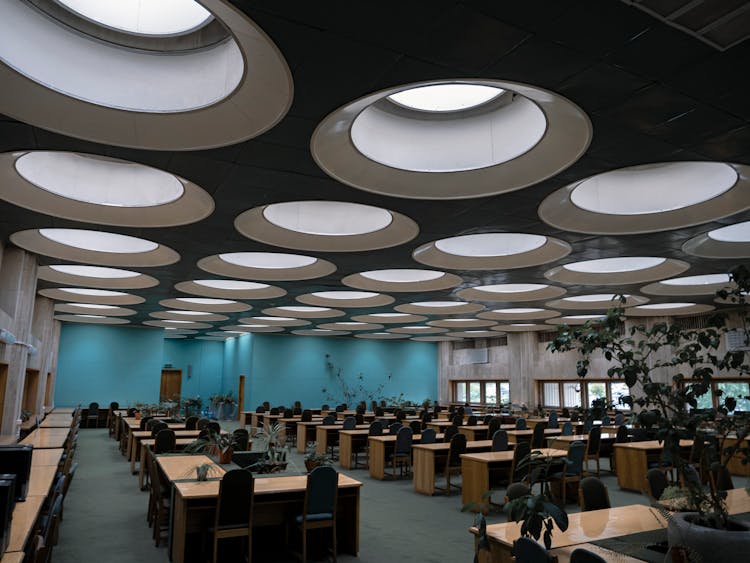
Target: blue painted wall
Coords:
[[205, 360], [108, 363], [282, 369]]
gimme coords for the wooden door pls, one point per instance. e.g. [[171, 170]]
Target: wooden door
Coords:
[[241, 398], [171, 385], [48, 391], [30, 387]]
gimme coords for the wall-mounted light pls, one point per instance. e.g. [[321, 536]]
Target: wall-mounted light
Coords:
[[7, 337]]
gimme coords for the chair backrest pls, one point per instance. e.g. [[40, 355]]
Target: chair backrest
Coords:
[[296, 411], [527, 550], [522, 449], [376, 428], [458, 447], [619, 419], [426, 417], [537, 438], [471, 421], [274, 410], [157, 427], [306, 415], [566, 412], [720, 477], [350, 423], [588, 424], [144, 421], [520, 424], [325, 407], [322, 491], [606, 420], [517, 490], [567, 429], [329, 419], [594, 494], [552, 419], [576, 455], [622, 434], [214, 426], [266, 406], [395, 427], [39, 552], [114, 405], [449, 433], [595, 440], [404, 438], [639, 435], [340, 408], [457, 420], [234, 507], [241, 439], [581, 555], [416, 426], [165, 441], [657, 482], [359, 418], [379, 411], [260, 409], [191, 423], [132, 411], [493, 425], [428, 436], [202, 423], [500, 441], [400, 415], [93, 408]]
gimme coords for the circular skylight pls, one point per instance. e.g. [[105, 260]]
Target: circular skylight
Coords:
[[194, 313], [99, 180], [512, 287], [254, 326], [445, 97], [91, 316], [345, 294], [94, 271], [176, 322], [303, 309], [440, 304], [421, 327], [402, 276], [593, 298], [490, 244], [459, 320], [273, 319], [98, 241], [654, 188], [206, 301], [327, 218], [89, 305], [657, 306], [93, 292], [268, 260], [518, 310], [231, 285], [583, 317], [705, 279], [162, 17], [614, 265], [739, 232], [390, 315]]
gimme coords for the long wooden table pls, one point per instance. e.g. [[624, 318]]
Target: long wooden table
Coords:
[[632, 465], [475, 470], [563, 442], [306, 433], [380, 447], [41, 478], [25, 515], [514, 436], [428, 456], [148, 443], [276, 499], [46, 457], [47, 438], [330, 432], [138, 435], [62, 420]]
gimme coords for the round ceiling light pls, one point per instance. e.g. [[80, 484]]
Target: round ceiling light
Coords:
[[576, 319], [252, 328], [457, 324], [275, 321], [512, 292], [230, 289], [346, 299], [95, 276], [519, 314], [350, 325], [417, 329], [732, 241], [92, 292], [93, 271], [98, 309], [92, 319], [320, 332], [303, 312], [649, 198], [617, 271], [402, 280], [474, 334], [205, 304], [87, 295], [706, 284], [273, 266], [231, 285], [189, 316], [205, 301], [97, 189], [451, 139], [436, 338], [95, 247], [439, 308], [330, 226], [668, 310], [389, 318], [705, 279], [596, 302], [176, 323], [380, 336], [184, 92], [522, 327], [402, 276], [491, 251], [166, 17]]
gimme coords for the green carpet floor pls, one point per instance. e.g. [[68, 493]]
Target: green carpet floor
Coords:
[[105, 515]]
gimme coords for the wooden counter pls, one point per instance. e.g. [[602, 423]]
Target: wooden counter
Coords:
[[632, 465], [429, 460]]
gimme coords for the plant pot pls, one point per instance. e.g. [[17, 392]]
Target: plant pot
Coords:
[[225, 456], [707, 543], [310, 465]]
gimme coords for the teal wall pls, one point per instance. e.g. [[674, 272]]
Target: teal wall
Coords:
[[282, 369], [108, 363], [202, 365]]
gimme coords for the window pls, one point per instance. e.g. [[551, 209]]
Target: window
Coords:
[[739, 389], [551, 394], [617, 390], [571, 395], [596, 390], [486, 392], [577, 392]]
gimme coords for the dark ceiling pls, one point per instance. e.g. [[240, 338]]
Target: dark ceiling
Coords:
[[653, 94]]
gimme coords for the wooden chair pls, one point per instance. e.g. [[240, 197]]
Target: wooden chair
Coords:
[[538, 436], [453, 461], [401, 456], [93, 414], [656, 482], [593, 494], [39, 553], [593, 447], [321, 498], [572, 471], [234, 511], [158, 502]]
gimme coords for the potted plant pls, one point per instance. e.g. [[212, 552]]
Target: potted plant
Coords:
[[192, 406], [645, 357], [313, 459], [220, 446]]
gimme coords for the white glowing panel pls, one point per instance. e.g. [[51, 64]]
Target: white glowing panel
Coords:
[[231, 285], [419, 328], [91, 316], [303, 309], [440, 303], [143, 17], [328, 218], [99, 241], [194, 313], [705, 279], [89, 306], [739, 232], [654, 188], [489, 245], [93, 292], [459, 320], [666, 306], [614, 265], [518, 310], [273, 319], [583, 317], [345, 294], [402, 276], [205, 301], [592, 298], [512, 287], [390, 315], [94, 271], [267, 260], [98, 180], [445, 97]]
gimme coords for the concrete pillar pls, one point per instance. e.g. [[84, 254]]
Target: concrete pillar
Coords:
[[522, 347]]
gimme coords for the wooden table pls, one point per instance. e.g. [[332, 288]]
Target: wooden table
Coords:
[[475, 470], [275, 500], [563, 442], [64, 410], [46, 457], [327, 432], [306, 433], [147, 443], [514, 436], [632, 465], [583, 527], [62, 420], [13, 557], [179, 467], [138, 435], [429, 459], [25, 515], [380, 447], [41, 478], [47, 438], [533, 421]]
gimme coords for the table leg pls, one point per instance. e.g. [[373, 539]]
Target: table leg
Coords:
[[301, 438], [377, 459], [321, 439], [424, 471], [475, 478], [345, 450]]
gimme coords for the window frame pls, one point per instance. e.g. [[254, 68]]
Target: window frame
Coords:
[[455, 383], [582, 383], [715, 385]]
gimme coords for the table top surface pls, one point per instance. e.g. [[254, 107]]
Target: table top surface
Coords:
[[488, 457], [24, 516], [40, 479], [179, 466], [149, 442], [580, 438], [651, 445], [445, 446], [13, 557], [47, 438], [63, 410], [263, 486], [341, 427], [531, 432], [50, 456]]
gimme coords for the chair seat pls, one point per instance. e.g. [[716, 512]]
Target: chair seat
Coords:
[[560, 475], [315, 517], [399, 456]]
